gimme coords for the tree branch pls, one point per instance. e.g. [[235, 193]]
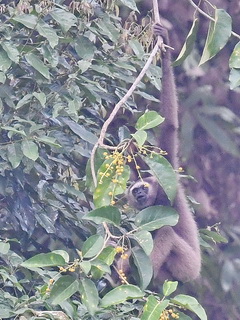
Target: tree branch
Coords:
[[209, 17]]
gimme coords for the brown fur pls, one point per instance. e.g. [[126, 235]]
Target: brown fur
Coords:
[[176, 253]]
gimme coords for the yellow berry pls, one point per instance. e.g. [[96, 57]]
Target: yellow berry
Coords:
[[138, 167], [113, 202], [110, 193], [51, 281]]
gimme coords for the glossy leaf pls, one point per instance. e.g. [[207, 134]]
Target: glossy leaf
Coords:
[[92, 246], [63, 289], [144, 267], [164, 173], [89, 295], [140, 136], [155, 217], [64, 18], [37, 64], [145, 240], [44, 260], [5, 62], [153, 308], [47, 32], [189, 43], [218, 34], [234, 78], [234, 61], [11, 51], [28, 20], [169, 287], [30, 150], [130, 4], [191, 304], [14, 154], [149, 120], [120, 295], [4, 247], [106, 214]]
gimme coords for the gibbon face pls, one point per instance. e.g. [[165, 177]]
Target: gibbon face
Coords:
[[143, 193]]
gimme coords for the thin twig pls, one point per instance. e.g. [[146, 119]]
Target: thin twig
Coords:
[[209, 17], [118, 106]]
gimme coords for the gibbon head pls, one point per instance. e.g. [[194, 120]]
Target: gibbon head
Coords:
[[143, 193]]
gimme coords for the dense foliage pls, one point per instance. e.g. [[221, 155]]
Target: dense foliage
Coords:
[[63, 67]]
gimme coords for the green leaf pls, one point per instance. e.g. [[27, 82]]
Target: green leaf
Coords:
[[85, 48], [120, 295], [4, 247], [28, 20], [153, 308], [89, 295], [99, 268], [38, 65], [145, 240], [140, 136], [63, 289], [5, 62], [214, 236], [191, 304], [144, 267], [137, 48], [169, 287], [2, 77], [234, 61], [62, 253], [130, 4], [164, 173], [189, 43], [44, 260], [41, 97], [14, 154], [149, 120], [11, 51], [107, 214], [80, 130], [30, 150], [64, 18], [218, 34], [92, 246], [85, 266], [234, 78], [155, 217], [49, 140], [47, 32], [25, 100], [107, 188]]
